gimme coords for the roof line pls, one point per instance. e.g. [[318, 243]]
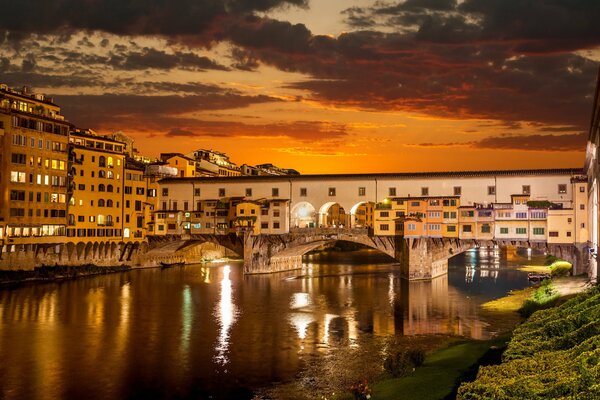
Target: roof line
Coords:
[[402, 175]]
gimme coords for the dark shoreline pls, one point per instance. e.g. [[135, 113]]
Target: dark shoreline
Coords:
[[56, 273]]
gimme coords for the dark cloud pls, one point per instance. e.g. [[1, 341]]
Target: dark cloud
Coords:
[[299, 130], [32, 79], [92, 110], [243, 60], [508, 60], [178, 132], [4, 64], [572, 142], [161, 17], [151, 58], [554, 143], [28, 63]]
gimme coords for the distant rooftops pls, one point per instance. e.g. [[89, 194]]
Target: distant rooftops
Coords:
[[26, 93]]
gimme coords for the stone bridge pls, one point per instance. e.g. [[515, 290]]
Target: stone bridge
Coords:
[[418, 258]]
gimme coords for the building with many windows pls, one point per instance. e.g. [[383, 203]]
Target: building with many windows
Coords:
[[34, 156], [97, 169]]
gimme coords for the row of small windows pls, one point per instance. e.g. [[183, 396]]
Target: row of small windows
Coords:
[[94, 232], [43, 230], [53, 180], [20, 212], [21, 159], [21, 140], [40, 126], [92, 144], [362, 191]]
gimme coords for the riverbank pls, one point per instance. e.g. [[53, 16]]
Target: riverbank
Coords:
[[554, 354], [55, 273]]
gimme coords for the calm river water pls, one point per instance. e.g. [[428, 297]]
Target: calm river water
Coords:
[[211, 332]]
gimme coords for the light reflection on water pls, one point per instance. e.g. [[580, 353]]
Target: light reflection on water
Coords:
[[204, 331], [226, 315]]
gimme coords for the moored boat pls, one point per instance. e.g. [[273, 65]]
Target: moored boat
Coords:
[[164, 265]]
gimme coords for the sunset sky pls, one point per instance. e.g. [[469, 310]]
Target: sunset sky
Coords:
[[322, 86]]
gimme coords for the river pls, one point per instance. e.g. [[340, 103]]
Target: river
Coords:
[[208, 331]]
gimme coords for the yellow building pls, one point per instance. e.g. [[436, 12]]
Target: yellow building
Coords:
[[34, 170], [450, 216], [580, 207], [186, 167], [365, 214], [97, 170], [467, 222], [139, 201], [485, 222], [248, 217], [561, 226]]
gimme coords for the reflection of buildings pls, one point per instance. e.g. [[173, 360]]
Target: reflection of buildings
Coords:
[[434, 308], [358, 305]]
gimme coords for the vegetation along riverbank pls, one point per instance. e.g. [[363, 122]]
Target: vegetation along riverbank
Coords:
[[554, 354]]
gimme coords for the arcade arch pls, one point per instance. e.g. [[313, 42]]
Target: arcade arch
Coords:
[[303, 215]]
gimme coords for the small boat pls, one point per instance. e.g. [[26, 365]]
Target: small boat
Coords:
[[532, 276], [164, 265]]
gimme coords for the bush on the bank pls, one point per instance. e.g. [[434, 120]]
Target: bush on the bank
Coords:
[[544, 297], [402, 362], [560, 268], [555, 354]]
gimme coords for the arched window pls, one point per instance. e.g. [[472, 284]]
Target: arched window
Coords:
[[109, 220], [102, 161], [109, 203], [101, 203], [109, 174], [109, 162], [109, 188], [101, 174], [71, 219], [101, 187], [101, 220], [126, 233]]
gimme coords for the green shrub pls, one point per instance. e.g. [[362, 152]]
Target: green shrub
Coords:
[[544, 297], [560, 268], [553, 355]]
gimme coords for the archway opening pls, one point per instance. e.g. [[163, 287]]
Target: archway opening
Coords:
[[304, 215], [346, 254], [362, 215], [333, 215]]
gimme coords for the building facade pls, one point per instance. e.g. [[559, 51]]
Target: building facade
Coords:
[[97, 169], [34, 189]]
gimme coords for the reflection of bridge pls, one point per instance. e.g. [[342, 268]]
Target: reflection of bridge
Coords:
[[419, 258]]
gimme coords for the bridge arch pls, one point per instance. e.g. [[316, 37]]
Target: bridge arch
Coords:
[[303, 215]]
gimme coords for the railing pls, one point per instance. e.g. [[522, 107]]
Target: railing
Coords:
[[329, 231]]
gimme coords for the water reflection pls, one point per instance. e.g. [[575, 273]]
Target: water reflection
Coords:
[[186, 320], [208, 331], [227, 314]]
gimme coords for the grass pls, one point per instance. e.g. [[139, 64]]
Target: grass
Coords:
[[511, 303], [439, 376]]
